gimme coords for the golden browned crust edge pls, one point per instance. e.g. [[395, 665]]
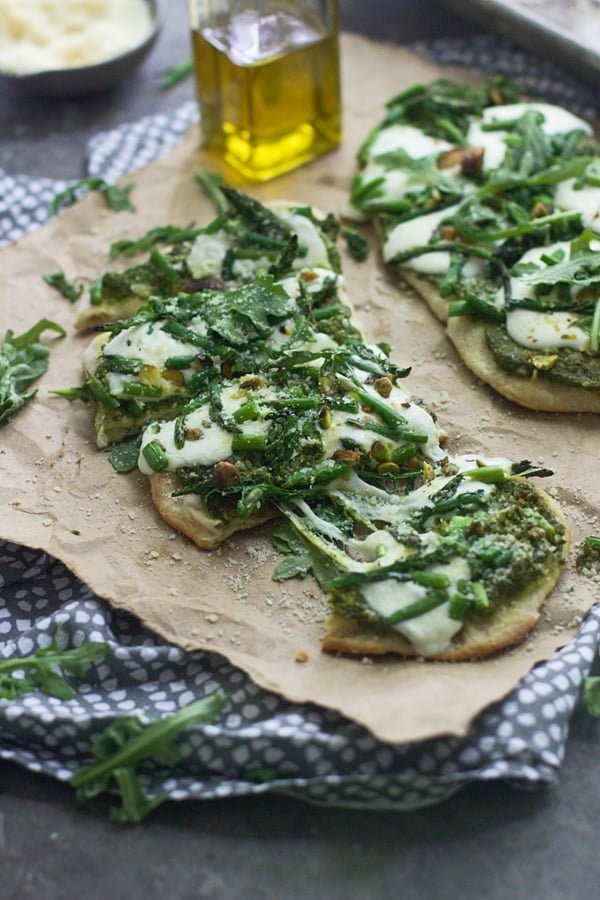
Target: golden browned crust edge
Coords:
[[534, 393], [508, 625], [189, 515], [92, 316]]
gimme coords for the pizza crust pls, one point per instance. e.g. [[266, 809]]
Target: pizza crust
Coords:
[[91, 316], [539, 394], [507, 625], [428, 290], [189, 514]]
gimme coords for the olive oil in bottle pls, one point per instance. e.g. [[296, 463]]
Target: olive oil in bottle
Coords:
[[268, 84]]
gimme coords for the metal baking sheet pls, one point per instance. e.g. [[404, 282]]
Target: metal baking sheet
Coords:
[[565, 30]]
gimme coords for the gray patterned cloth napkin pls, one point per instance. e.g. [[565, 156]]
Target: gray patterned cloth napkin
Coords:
[[263, 743]]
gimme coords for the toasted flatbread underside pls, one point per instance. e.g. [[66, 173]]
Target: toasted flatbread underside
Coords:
[[507, 625], [539, 393], [189, 514]]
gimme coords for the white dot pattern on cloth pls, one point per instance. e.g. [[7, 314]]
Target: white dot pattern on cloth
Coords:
[[302, 751]]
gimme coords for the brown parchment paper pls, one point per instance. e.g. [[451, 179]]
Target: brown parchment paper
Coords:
[[59, 494]]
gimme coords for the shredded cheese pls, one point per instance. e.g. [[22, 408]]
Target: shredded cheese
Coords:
[[41, 35]]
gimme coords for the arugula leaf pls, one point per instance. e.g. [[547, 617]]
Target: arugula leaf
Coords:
[[301, 557], [123, 457], [166, 234], [258, 216], [22, 361], [124, 745], [358, 246], [248, 312], [591, 695], [43, 669], [176, 74], [211, 185], [581, 268], [444, 108], [115, 197], [58, 281]]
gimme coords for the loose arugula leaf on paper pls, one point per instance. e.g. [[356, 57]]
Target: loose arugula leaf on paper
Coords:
[[59, 282], [22, 361], [115, 197]]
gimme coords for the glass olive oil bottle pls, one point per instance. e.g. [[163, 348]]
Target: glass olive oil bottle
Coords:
[[268, 81]]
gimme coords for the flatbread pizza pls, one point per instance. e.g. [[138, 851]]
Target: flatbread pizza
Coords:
[[242, 403], [491, 211]]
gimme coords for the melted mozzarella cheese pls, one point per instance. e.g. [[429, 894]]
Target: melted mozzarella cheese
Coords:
[[416, 233], [556, 121], [545, 330], [417, 418], [412, 140], [585, 201], [213, 446], [308, 236], [248, 269], [542, 330], [313, 281], [340, 430], [519, 289], [207, 254], [430, 633], [214, 443], [149, 343], [396, 182]]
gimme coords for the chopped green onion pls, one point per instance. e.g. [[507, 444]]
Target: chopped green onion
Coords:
[[138, 389], [155, 456], [418, 608], [179, 362], [247, 412], [487, 474], [248, 443]]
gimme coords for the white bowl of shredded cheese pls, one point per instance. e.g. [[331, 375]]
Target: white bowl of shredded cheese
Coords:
[[73, 46]]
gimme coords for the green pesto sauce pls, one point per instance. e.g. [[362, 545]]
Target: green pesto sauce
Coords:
[[572, 367], [509, 544]]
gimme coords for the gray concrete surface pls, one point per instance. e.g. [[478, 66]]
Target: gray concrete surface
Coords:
[[490, 841]]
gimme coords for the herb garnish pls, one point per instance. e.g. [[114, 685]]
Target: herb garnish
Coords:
[[211, 185], [591, 695], [126, 744], [357, 244], [115, 197], [176, 74], [165, 234], [301, 557], [58, 281], [43, 669], [22, 361]]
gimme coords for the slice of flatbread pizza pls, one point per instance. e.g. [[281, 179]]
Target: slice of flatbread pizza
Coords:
[[499, 233], [247, 241]]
